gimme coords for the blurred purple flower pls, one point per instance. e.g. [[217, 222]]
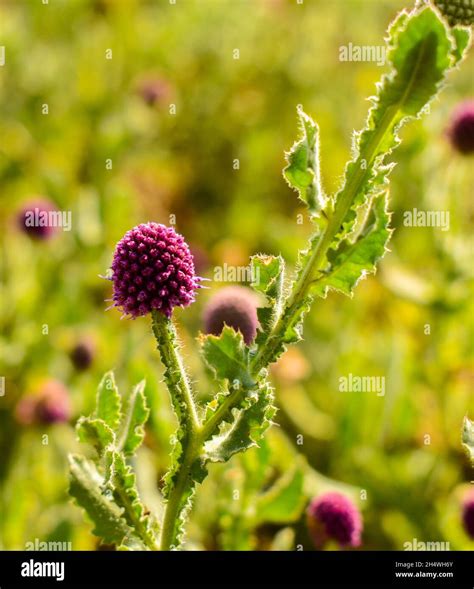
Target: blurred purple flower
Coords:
[[153, 268], [154, 90], [82, 354], [468, 514], [334, 516], [236, 307], [50, 404], [32, 219], [461, 130]]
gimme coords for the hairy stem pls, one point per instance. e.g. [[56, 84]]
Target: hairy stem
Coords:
[[175, 374], [139, 527], [174, 505], [185, 409]]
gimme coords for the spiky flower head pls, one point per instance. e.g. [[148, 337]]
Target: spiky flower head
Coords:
[[153, 269], [334, 516], [468, 514], [457, 12], [461, 131], [49, 404], [34, 219], [236, 307]]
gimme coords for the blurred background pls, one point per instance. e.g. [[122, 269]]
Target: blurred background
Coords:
[[127, 111]]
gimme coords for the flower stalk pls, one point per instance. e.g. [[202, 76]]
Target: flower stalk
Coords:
[[176, 377], [185, 408]]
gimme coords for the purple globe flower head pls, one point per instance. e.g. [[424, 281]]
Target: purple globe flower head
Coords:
[[33, 219], [461, 130], [153, 269], [468, 514], [82, 354], [49, 404], [334, 516], [236, 307]]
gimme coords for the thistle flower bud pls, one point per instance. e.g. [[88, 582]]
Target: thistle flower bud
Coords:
[[33, 219], [236, 307], [457, 12], [461, 131], [334, 516], [82, 354], [50, 404], [154, 90], [468, 514], [152, 269]]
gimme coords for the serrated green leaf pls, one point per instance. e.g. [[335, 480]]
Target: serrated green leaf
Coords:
[[246, 428], [468, 438], [292, 316], [108, 402], [197, 473], [269, 273], [176, 457], [107, 464], [462, 38], [353, 261], [96, 432], [227, 356], [134, 418], [284, 501], [420, 51], [125, 493], [265, 316], [302, 172], [86, 488], [292, 329]]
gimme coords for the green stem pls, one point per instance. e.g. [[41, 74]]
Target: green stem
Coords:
[[175, 374], [185, 409], [230, 401], [175, 502], [138, 525]]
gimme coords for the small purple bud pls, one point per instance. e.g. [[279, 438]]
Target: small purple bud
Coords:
[[461, 131], [468, 515], [154, 90], [82, 354], [139, 283], [33, 219], [236, 307], [334, 516], [50, 404]]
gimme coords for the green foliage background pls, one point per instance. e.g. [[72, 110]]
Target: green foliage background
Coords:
[[401, 451]]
